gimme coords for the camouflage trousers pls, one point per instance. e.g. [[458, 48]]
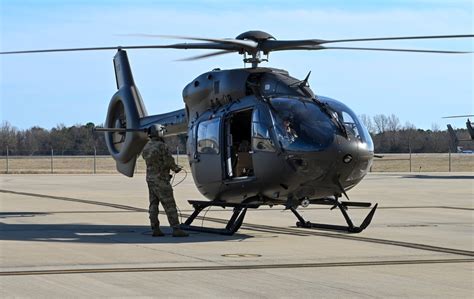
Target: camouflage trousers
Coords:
[[160, 191]]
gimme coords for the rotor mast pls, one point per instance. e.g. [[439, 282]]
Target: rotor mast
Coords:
[[255, 58], [256, 54]]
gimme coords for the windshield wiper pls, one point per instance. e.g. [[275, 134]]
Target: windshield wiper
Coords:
[[332, 114], [302, 84]]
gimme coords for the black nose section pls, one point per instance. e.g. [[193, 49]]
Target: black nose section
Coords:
[[353, 160]]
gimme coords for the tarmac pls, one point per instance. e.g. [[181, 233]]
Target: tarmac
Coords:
[[88, 236]]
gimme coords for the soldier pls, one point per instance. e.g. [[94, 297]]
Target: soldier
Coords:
[[159, 162]]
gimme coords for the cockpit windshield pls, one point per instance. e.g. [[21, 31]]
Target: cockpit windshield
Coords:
[[301, 125], [354, 128]]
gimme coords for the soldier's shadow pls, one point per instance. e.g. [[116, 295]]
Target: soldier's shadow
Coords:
[[102, 234]]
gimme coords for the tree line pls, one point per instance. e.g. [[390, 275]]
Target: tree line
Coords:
[[388, 134], [73, 140]]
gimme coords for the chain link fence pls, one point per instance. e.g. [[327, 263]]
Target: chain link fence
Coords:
[[94, 162], [439, 162], [70, 162]]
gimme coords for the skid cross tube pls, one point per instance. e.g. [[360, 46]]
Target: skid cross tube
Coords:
[[342, 207], [234, 223]]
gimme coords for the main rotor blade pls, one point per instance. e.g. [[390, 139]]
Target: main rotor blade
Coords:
[[245, 43], [459, 116], [397, 38], [399, 50], [61, 50], [185, 46], [374, 49], [205, 55], [276, 45]]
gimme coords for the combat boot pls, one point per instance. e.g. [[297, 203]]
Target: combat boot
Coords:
[[154, 223], [157, 232], [177, 232]]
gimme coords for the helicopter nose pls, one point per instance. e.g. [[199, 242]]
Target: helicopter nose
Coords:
[[355, 159]]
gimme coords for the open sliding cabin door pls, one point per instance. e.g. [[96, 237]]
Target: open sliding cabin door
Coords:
[[238, 136]]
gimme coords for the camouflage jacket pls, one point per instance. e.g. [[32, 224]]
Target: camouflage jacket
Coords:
[[158, 160]]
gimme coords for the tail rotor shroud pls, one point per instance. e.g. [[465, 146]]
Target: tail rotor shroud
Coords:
[[125, 110]]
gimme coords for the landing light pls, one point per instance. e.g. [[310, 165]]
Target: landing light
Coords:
[[347, 159]]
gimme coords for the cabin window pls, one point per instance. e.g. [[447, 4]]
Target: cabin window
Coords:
[[208, 137], [261, 140]]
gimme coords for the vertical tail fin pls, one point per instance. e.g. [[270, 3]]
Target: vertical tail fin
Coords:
[[454, 139], [125, 110], [470, 129]]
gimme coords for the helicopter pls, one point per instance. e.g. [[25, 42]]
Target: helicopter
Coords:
[[454, 146], [256, 136]]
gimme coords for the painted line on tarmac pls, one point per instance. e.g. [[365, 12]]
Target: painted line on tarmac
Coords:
[[91, 202], [234, 267], [131, 208], [311, 232]]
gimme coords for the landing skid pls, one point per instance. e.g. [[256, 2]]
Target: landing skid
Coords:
[[351, 228], [232, 225], [240, 210]]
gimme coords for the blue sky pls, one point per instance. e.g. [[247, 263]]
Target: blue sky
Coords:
[[72, 88]]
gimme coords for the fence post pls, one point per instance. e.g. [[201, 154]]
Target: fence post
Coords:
[[410, 158], [95, 161], [7, 159], [52, 154], [449, 160]]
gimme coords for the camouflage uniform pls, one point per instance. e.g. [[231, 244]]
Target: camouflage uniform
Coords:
[[159, 162]]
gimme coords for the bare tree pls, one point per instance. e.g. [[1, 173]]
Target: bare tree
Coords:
[[8, 137], [434, 127], [393, 123], [367, 121], [381, 122]]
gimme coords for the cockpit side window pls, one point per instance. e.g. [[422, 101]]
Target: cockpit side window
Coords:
[[351, 125], [261, 139], [354, 126], [208, 136]]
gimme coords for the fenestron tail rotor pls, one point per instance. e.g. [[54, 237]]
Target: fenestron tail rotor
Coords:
[[252, 44]]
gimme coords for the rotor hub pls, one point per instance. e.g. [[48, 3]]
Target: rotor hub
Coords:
[[255, 35]]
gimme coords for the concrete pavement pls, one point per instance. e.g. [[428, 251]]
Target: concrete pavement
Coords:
[[88, 235]]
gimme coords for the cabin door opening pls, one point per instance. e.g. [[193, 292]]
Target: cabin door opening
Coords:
[[238, 144]]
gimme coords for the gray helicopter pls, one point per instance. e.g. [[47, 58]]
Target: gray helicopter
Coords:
[[454, 146], [255, 136]]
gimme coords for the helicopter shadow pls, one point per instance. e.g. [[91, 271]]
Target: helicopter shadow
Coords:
[[99, 233]]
